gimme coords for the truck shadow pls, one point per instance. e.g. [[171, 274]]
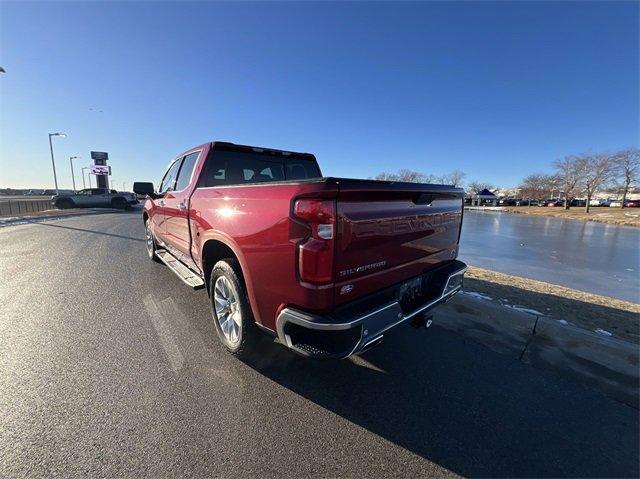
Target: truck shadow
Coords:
[[85, 230], [466, 408]]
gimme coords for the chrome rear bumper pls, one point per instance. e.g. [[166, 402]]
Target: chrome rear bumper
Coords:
[[324, 337]]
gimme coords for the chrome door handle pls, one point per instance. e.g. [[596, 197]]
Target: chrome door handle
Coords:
[[181, 206]]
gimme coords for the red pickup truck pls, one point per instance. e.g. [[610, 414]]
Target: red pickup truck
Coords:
[[327, 265]]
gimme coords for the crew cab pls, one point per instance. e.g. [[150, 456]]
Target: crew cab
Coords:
[[327, 265]]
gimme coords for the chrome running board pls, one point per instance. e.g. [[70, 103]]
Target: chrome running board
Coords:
[[186, 274]]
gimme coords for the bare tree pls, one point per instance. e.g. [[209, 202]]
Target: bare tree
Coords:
[[453, 178], [384, 176], [627, 169], [569, 175], [538, 186], [475, 187], [594, 170], [408, 176]]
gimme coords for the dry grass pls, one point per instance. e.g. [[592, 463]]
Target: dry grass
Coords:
[[586, 310], [614, 216]]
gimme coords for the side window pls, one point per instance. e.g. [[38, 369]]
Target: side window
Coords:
[[186, 170], [170, 177], [214, 172]]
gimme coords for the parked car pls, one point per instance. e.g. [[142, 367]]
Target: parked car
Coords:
[[327, 265], [551, 202], [578, 202], [34, 193], [627, 204], [601, 202], [94, 198]]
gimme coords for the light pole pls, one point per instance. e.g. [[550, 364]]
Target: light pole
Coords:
[[88, 174], [123, 187], [73, 178], [53, 162]]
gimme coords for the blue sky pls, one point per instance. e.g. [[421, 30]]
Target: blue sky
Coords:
[[498, 90]]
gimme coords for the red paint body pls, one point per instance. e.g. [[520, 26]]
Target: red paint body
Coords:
[[384, 233]]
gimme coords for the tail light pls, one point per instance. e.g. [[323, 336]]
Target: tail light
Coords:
[[315, 257]]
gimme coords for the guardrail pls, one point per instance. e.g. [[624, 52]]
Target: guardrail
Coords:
[[22, 207]]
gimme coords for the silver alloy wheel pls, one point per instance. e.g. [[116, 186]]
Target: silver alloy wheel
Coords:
[[227, 309], [149, 239]]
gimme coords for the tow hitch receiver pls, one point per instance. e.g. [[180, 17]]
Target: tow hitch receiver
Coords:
[[422, 321]]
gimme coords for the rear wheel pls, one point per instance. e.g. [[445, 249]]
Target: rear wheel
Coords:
[[64, 203], [233, 318], [119, 203]]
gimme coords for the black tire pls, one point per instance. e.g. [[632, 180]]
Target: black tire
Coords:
[[248, 334], [64, 203], [119, 203], [151, 247]]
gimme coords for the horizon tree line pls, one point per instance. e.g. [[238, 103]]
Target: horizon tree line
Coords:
[[584, 174]]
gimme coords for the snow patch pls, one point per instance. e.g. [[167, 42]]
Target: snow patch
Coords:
[[603, 332], [475, 294]]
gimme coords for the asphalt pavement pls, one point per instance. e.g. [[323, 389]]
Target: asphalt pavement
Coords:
[[109, 366]]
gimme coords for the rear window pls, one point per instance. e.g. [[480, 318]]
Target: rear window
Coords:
[[241, 167]]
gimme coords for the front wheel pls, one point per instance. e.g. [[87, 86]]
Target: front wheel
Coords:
[[150, 242], [231, 310]]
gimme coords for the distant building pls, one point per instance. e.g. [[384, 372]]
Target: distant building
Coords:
[[484, 198]]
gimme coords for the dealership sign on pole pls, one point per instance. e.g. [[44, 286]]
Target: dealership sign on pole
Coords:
[[100, 170], [101, 156]]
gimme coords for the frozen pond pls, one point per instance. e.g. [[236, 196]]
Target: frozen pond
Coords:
[[588, 256]]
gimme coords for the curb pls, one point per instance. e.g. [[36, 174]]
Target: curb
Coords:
[[604, 363], [55, 215], [503, 330], [608, 364]]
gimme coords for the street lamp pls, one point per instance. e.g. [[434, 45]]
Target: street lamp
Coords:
[[73, 178], [53, 162], [88, 175]]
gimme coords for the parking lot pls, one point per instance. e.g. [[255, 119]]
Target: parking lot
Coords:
[[109, 366]]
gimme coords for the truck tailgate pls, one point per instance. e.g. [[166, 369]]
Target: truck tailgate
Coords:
[[389, 232]]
